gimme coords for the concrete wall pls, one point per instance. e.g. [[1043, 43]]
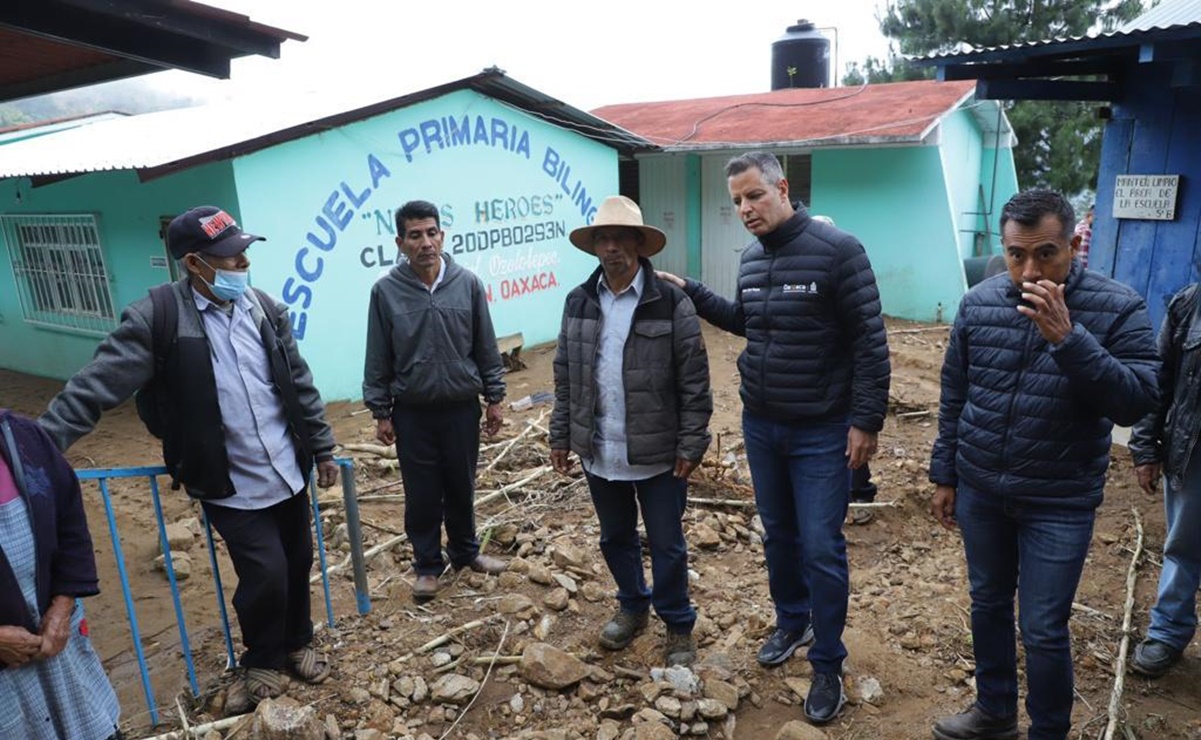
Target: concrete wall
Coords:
[[127, 220], [895, 200]]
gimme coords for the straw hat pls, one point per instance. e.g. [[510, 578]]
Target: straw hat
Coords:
[[618, 210]]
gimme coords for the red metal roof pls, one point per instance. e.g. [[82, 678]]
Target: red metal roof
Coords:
[[886, 113]]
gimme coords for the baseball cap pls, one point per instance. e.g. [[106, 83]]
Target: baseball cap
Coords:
[[207, 229]]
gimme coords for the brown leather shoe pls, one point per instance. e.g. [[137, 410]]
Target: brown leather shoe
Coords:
[[487, 564], [425, 588]]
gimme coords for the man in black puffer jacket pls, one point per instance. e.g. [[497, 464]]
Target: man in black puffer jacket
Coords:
[[1041, 364], [815, 378]]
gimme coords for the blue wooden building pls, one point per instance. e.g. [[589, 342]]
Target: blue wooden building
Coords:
[[1146, 80]]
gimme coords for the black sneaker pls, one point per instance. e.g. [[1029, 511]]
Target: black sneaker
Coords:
[[621, 630], [976, 724], [825, 699], [782, 644], [1153, 658]]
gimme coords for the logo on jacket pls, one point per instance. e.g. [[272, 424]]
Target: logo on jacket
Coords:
[[807, 289]]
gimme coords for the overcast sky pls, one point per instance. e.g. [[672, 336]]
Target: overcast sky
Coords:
[[587, 55]]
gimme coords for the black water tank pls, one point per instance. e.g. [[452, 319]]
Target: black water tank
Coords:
[[804, 52]]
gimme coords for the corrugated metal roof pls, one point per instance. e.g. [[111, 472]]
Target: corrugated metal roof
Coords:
[[899, 112], [1183, 16], [155, 144], [1165, 15]]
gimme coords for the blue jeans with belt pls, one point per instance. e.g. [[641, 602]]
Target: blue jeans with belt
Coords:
[[1036, 551], [662, 499], [800, 474]]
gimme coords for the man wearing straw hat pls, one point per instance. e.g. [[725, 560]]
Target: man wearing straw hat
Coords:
[[632, 400]]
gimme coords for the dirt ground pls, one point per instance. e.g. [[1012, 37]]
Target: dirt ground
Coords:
[[907, 627]]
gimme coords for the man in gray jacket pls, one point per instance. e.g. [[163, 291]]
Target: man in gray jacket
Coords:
[[241, 424], [632, 399], [431, 354]]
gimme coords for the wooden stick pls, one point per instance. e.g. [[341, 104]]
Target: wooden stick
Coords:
[[1090, 611], [922, 330], [912, 414], [529, 426], [446, 638], [483, 683], [732, 502], [1119, 670], [200, 730], [377, 450]]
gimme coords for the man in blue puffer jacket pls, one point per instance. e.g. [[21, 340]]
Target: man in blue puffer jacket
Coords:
[[1041, 364]]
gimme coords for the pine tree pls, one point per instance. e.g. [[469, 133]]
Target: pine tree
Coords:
[[1059, 143]]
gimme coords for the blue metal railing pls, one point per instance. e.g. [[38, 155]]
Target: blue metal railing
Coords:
[[362, 595]]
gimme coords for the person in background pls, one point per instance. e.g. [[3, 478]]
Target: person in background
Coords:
[[1084, 230], [242, 425], [1158, 448], [632, 399], [815, 376], [431, 354], [1041, 363], [52, 686], [862, 490]]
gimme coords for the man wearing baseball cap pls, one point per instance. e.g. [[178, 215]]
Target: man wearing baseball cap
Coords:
[[224, 387], [632, 400]]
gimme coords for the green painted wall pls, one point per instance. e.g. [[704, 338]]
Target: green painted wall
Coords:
[[960, 147], [510, 188], [128, 213], [1003, 186], [895, 200]]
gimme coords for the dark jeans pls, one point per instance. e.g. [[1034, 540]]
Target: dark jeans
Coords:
[[800, 476], [438, 447], [1038, 552], [272, 553], [1174, 616], [662, 500], [863, 491]]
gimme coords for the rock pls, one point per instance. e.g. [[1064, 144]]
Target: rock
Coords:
[[379, 717], [798, 730], [609, 730], [712, 709], [870, 690], [566, 582], [214, 735], [332, 731], [648, 715], [556, 599], [505, 534], [403, 686], [420, 690], [567, 555], [358, 696], [540, 574], [340, 534], [550, 667], [179, 536], [180, 561], [517, 704], [286, 719], [440, 659], [508, 581], [620, 712], [683, 681], [653, 690], [705, 537], [724, 693], [669, 706], [654, 731], [453, 688], [517, 604], [544, 626], [369, 733], [798, 685], [592, 591]]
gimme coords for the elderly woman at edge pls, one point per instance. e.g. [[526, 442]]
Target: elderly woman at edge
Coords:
[[52, 686]]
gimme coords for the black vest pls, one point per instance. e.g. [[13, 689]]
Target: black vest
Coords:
[[194, 438]]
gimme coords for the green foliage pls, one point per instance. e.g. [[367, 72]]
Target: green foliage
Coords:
[[1059, 143]]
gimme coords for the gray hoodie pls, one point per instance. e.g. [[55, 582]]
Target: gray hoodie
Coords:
[[427, 348]]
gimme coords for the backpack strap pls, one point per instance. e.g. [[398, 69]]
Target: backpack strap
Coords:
[[164, 323]]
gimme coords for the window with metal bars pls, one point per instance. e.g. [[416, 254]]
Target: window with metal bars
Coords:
[[59, 270]]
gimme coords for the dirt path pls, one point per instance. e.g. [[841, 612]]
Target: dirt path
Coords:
[[907, 627]]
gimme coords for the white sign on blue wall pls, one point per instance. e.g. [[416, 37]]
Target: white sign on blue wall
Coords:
[[509, 187]]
